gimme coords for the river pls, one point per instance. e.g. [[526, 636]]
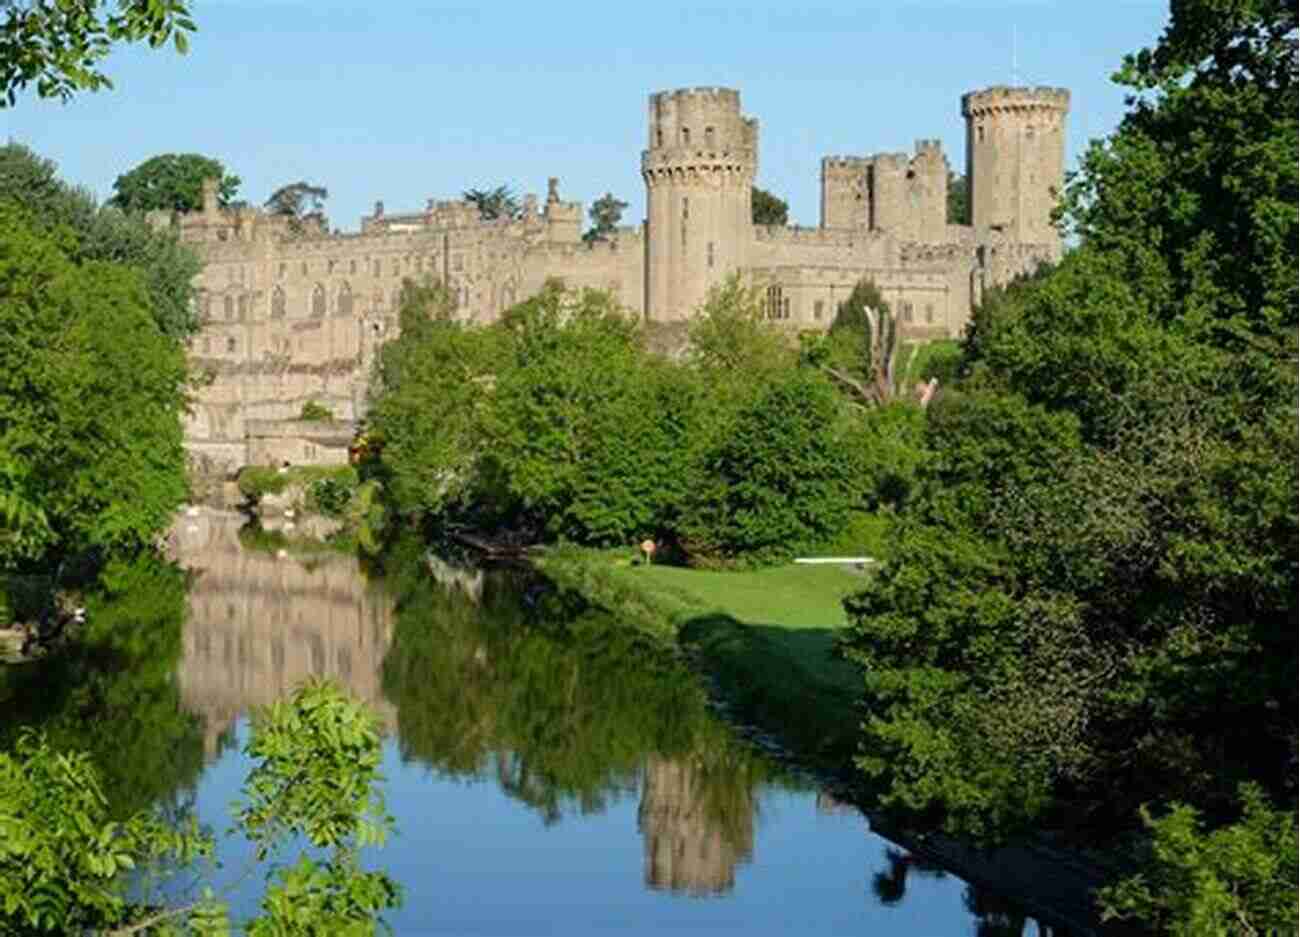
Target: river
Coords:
[[549, 770]]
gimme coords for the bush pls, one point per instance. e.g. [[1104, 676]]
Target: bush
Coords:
[[316, 412], [1238, 879], [257, 481]]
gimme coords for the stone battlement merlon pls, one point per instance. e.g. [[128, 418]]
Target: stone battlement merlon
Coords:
[[1004, 97]]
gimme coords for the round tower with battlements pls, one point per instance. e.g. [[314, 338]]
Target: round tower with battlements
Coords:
[[699, 176], [1015, 160]]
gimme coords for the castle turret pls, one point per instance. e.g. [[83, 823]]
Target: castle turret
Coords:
[[699, 175], [1015, 160]]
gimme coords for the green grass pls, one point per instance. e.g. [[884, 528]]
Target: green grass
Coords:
[[764, 636]]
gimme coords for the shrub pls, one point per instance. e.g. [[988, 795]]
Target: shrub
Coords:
[[315, 412]]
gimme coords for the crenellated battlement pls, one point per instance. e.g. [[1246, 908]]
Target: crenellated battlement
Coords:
[[1001, 98]]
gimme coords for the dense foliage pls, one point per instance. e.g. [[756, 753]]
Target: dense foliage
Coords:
[[1091, 601], [557, 422], [767, 208], [172, 182], [104, 233], [90, 399], [67, 867], [59, 46]]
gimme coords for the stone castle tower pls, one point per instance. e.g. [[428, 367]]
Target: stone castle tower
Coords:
[[296, 316], [699, 176], [1015, 161]]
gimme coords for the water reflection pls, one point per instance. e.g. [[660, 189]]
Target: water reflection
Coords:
[[265, 617], [494, 676], [551, 708]]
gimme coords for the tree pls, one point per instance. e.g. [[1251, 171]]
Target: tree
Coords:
[[1237, 879], [105, 233], [300, 202], [65, 867], [90, 398], [494, 203], [958, 199], [1113, 491], [776, 481], [172, 182], [605, 212], [59, 46], [768, 208]]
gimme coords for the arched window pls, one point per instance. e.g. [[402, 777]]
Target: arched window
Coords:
[[686, 136], [228, 305], [318, 302], [344, 305], [708, 136], [277, 303], [243, 307]]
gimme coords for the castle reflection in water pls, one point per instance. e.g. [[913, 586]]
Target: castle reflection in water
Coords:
[[262, 621]]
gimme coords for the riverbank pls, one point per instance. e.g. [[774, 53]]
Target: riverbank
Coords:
[[764, 640], [764, 637]]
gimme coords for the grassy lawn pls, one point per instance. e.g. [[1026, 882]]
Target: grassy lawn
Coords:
[[765, 636], [783, 596]]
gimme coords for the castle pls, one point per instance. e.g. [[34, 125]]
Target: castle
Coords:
[[295, 316]]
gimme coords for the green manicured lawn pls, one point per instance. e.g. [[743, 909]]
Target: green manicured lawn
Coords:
[[765, 636], [785, 596]]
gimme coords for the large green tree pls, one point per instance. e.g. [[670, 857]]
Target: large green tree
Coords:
[[90, 399], [1092, 597], [172, 182], [105, 234], [59, 46]]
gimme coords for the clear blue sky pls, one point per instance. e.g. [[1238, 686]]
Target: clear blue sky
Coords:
[[402, 101]]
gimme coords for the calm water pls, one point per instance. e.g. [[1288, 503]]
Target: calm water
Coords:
[[549, 772]]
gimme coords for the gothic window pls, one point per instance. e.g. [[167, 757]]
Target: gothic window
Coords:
[[686, 207], [785, 308], [818, 306], [708, 136], [277, 303], [659, 138], [686, 136], [243, 307], [344, 306], [228, 306], [710, 255], [979, 133], [907, 312], [304, 268], [318, 302]]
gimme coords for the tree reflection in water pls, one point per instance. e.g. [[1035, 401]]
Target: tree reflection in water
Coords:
[[111, 690], [497, 676]]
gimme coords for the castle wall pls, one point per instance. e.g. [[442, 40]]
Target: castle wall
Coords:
[[297, 316]]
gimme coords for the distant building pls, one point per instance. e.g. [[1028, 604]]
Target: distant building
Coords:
[[292, 317]]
